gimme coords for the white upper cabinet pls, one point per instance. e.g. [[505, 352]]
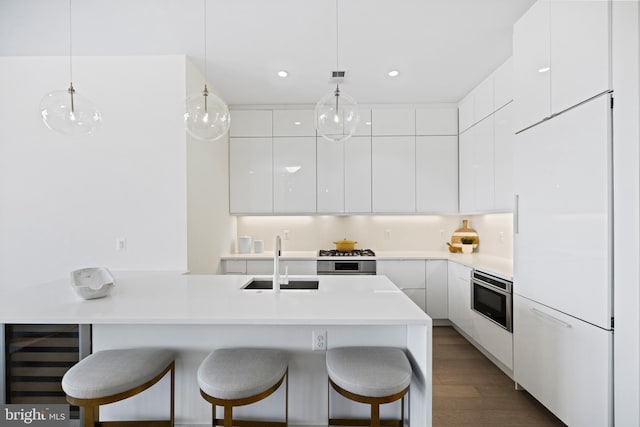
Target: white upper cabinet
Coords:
[[250, 123], [503, 158], [294, 123], [579, 51], [364, 128], [437, 121], [393, 122], [503, 85], [466, 113], [331, 176], [532, 65], [561, 57], [477, 168], [250, 175], [437, 174], [357, 174], [294, 163], [483, 99], [393, 173]]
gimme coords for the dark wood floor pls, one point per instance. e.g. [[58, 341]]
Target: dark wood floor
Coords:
[[469, 390]]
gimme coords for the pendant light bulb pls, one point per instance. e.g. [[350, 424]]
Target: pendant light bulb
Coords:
[[68, 113], [207, 117], [337, 116]]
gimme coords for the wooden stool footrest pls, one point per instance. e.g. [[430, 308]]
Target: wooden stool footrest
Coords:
[[362, 422], [251, 423], [135, 423]]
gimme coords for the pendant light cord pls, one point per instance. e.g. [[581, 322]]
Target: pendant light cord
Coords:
[[70, 47], [337, 44], [205, 38]]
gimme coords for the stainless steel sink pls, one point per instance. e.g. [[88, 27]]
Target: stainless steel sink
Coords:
[[294, 284]]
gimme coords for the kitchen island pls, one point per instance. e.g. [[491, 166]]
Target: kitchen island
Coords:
[[195, 314]]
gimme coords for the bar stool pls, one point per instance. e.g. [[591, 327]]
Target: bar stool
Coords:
[[112, 375], [241, 376], [371, 375]]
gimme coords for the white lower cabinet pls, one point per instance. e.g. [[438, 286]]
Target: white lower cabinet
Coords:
[[265, 266], [563, 362], [437, 294], [494, 339], [408, 275], [459, 298]]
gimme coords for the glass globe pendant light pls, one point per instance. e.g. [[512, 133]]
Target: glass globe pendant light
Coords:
[[337, 115], [67, 112], [206, 116]]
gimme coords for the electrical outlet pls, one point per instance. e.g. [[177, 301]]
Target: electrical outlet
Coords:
[[501, 236], [387, 234], [121, 244], [319, 340], [285, 235]]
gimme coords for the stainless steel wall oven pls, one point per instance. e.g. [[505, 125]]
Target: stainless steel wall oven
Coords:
[[492, 298]]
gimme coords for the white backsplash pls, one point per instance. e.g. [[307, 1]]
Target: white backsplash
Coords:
[[380, 233]]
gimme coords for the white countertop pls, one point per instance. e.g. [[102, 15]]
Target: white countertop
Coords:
[[498, 266], [176, 298]]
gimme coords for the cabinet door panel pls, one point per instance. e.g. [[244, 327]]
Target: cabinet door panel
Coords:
[[483, 99], [294, 123], [394, 175], [563, 181], [393, 122], [331, 176], [437, 289], [404, 274], [357, 174], [503, 84], [437, 121], [465, 175], [579, 51], [437, 174], [459, 297], [295, 174], [531, 64], [483, 166], [564, 363], [250, 123], [250, 175], [494, 339], [503, 145], [417, 296]]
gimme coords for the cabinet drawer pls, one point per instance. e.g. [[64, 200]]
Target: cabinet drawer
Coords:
[[563, 362]]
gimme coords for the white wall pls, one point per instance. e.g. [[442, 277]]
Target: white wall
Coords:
[[405, 233], [211, 230], [64, 201], [626, 157]]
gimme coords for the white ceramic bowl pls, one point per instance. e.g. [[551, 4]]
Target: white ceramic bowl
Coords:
[[91, 283]]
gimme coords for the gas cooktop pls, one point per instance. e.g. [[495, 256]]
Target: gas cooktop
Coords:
[[355, 252]]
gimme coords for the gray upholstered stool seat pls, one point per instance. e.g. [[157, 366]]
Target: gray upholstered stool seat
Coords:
[[373, 375], [113, 375], [240, 376]]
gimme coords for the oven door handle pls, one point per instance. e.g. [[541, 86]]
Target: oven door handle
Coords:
[[490, 287], [551, 318]]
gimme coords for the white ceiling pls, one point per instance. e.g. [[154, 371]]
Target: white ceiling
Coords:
[[442, 48]]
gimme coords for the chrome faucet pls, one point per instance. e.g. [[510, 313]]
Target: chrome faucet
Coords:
[[276, 265]]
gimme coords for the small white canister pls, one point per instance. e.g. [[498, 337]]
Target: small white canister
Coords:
[[258, 246], [244, 244]]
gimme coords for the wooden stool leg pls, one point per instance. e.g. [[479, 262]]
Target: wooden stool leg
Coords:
[[91, 416], [228, 416], [172, 415], [213, 415], [375, 415], [286, 397]]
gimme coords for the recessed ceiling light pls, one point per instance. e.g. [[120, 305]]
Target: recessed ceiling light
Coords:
[[297, 123], [282, 73], [394, 73], [544, 69]]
